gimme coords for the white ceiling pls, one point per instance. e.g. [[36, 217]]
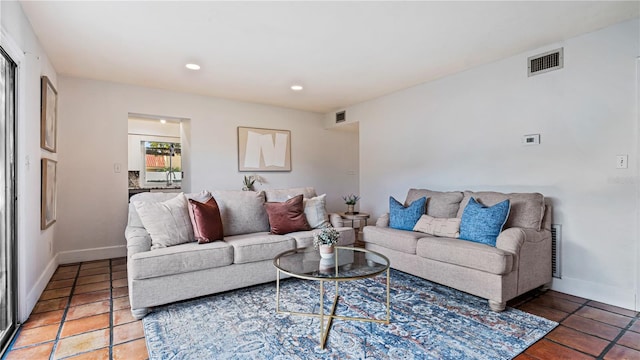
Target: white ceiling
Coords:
[[341, 52]]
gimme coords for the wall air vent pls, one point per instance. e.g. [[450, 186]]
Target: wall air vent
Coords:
[[341, 116], [556, 242], [545, 62]]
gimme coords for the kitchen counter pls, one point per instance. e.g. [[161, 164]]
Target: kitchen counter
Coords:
[[156, 187], [133, 191]]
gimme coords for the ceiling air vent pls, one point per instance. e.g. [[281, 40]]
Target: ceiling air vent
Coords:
[[549, 61], [341, 116]]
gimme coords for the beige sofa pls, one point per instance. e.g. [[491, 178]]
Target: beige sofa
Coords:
[[189, 270], [520, 261]]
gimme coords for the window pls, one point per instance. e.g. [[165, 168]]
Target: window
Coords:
[[162, 162], [8, 284]]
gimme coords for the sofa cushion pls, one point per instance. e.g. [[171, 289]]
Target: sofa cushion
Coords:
[[288, 216], [259, 246], [206, 221], [465, 253], [527, 209], [305, 238], [483, 224], [280, 195], [405, 218], [449, 227], [242, 212], [400, 240], [316, 212], [439, 204], [167, 222], [134, 218], [179, 259]]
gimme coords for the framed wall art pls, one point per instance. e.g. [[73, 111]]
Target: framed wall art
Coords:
[[48, 115], [264, 149], [49, 194]]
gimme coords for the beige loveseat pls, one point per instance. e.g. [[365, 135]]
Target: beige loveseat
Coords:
[[520, 261], [189, 270]]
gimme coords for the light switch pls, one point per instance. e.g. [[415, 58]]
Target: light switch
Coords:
[[622, 161], [117, 167]]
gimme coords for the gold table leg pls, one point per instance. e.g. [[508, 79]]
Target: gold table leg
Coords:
[[324, 331], [277, 290], [388, 296]]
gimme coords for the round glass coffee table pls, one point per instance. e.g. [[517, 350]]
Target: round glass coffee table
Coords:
[[347, 264]]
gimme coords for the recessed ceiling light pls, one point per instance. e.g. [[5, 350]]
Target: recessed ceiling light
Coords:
[[193, 66], [163, 121], [296, 87]]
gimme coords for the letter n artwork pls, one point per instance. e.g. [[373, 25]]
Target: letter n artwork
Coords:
[[264, 149]]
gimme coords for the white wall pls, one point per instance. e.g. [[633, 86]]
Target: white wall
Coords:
[[464, 132], [92, 206], [36, 263]]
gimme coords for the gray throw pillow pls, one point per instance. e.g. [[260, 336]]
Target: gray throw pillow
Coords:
[[242, 212], [168, 222], [316, 213]]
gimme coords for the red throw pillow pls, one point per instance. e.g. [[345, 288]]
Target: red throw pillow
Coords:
[[288, 216], [206, 221]]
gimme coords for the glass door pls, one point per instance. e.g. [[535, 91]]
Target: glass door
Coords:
[[8, 285]]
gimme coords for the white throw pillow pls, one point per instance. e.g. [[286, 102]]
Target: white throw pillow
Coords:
[[315, 211], [447, 227], [167, 222]]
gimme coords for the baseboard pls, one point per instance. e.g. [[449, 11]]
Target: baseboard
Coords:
[[612, 295], [37, 289], [108, 252], [65, 257]]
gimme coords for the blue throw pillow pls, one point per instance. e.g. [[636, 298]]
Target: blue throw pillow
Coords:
[[483, 224], [405, 218]]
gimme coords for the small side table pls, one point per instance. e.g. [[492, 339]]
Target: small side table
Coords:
[[353, 217]]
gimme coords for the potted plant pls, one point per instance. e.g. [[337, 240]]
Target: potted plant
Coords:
[[351, 201], [249, 181], [325, 239]]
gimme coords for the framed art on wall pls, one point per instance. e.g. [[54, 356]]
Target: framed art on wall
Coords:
[[48, 115], [49, 196], [264, 149]]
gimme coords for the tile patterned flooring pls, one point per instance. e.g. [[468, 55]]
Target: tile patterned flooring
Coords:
[[84, 314]]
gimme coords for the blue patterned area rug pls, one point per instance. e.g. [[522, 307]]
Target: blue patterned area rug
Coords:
[[428, 321]]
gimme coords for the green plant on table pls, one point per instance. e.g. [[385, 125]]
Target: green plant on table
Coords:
[[351, 199], [327, 236]]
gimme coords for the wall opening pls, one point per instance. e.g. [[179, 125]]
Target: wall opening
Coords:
[[155, 154]]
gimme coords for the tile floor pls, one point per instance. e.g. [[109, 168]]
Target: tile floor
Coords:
[[84, 314], [587, 330]]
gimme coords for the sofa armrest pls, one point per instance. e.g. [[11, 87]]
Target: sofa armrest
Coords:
[[335, 220], [383, 221], [513, 238], [138, 240], [532, 256]]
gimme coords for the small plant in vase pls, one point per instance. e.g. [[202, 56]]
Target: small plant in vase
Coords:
[[351, 201], [325, 240], [249, 181]]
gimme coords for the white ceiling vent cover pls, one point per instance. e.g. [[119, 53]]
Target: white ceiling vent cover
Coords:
[[545, 62]]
